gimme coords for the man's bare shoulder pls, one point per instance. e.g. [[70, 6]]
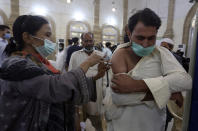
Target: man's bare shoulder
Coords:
[[120, 53], [118, 60]]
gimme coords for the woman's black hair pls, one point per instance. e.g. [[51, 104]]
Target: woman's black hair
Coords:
[[147, 17], [25, 23], [11, 47]]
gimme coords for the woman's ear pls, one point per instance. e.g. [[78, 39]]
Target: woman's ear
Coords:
[[27, 38]]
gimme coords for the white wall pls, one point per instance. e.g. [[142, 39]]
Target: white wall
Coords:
[[5, 6], [62, 13], [108, 17], [181, 9], [159, 6]]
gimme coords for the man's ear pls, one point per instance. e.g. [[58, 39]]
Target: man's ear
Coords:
[[27, 37], [129, 34]]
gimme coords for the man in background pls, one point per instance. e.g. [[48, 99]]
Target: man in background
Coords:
[[92, 110], [72, 49], [177, 97], [5, 35], [60, 57], [107, 49], [168, 44]]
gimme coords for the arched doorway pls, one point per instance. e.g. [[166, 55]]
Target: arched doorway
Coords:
[[187, 23], [3, 17], [110, 34], [76, 28]]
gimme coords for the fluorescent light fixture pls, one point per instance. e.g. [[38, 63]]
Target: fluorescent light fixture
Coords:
[[113, 6], [114, 9], [79, 16], [40, 10], [68, 1]]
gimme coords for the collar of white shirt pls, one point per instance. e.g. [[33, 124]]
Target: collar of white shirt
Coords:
[[1, 39]]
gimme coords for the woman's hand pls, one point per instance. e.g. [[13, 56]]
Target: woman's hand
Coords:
[[91, 61], [102, 68], [94, 59]]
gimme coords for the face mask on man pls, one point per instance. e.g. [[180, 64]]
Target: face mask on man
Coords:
[[88, 49], [7, 36], [60, 49], [140, 50], [46, 49]]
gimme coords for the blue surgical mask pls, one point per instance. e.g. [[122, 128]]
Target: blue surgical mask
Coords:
[[88, 49], [7, 36], [46, 49], [140, 50]]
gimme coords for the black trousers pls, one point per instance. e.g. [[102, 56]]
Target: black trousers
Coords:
[[169, 117]]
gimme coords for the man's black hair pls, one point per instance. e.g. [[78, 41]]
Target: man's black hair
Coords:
[[108, 44], [147, 17], [61, 44], [75, 40], [3, 27], [70, 42], [82, 35]]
